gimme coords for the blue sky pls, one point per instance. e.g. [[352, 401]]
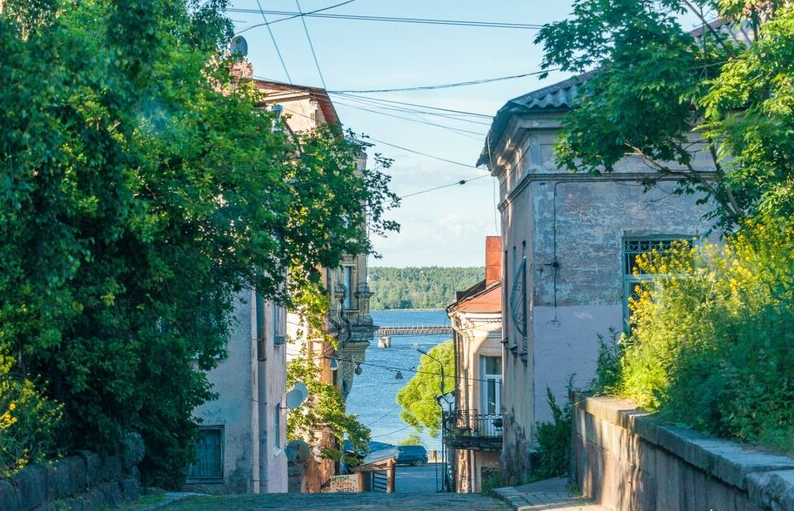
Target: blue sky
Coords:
[[445, 227]]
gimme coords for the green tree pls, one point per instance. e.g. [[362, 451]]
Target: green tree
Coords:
[[141, 189], [656, 89], [323, 412], [419, 397], [419, 288], [411, 439]]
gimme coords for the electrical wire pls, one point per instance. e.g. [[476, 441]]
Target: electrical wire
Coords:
[[275, 44], [461, 182], [459, 131], [311, 45], [456, 116], [296, 15], [389, 19], [443, 85], [439, 158]]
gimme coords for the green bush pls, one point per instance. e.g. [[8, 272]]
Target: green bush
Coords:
[[554, 441], [712, 344], [28, 422]]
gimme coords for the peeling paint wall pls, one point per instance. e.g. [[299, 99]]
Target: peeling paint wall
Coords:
[[571, 229]]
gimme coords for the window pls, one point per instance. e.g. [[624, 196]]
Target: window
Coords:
[[259, 312], [518, 303], [279, 324], [505, 296], [347, 280], [632, 249], [491, 392], [209, 455], [277, 426]]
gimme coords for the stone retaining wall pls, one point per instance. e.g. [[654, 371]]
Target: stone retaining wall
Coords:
[[624, 459], [85, 481]]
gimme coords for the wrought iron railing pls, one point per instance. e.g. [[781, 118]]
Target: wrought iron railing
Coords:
[[470, 424]]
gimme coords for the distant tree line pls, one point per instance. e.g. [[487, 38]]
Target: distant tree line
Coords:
[[419, 288]]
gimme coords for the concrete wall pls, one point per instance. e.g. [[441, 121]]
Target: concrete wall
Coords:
[[626, 460], [84, 482]]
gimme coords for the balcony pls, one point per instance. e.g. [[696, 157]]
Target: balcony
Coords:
[[467, 429]]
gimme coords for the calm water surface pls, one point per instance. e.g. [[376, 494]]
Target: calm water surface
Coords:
[[374, 390]]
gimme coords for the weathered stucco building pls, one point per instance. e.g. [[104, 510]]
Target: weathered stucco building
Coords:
[[243, 444], [473, 430], [569, 242]]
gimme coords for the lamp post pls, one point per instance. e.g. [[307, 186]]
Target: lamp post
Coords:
[[444, 485]]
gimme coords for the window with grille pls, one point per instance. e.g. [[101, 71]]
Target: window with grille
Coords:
[[259, 312], [209, 455], [633, 275]]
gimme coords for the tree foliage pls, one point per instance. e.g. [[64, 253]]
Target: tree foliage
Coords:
[[323, 412], [419, 397], [141, 188], [712, 342], [419, 288], [675, 100]]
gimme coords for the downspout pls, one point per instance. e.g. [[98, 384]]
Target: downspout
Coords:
[[255, 430]]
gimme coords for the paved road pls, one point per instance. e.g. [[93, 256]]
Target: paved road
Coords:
[[341, 502], [418, 479]]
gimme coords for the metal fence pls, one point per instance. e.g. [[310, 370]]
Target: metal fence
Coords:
[[469, 423]]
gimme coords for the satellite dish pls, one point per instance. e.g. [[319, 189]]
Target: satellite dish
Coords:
[[297, 395], [239, 48]]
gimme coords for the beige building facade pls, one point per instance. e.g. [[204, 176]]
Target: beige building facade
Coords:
[[569, 242], [473, 429]]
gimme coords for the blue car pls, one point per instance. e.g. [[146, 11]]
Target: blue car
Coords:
[[411, 455]]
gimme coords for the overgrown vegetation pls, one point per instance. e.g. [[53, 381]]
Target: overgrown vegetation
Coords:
[[411, 439], [419, 397], [712, 340], [419, 288], [553, 441], [141, 189]]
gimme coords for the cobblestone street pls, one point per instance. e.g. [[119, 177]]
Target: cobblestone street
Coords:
[[340, 502]]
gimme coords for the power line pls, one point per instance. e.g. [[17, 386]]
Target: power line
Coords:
[[297, 15], [415, 105], [390, 19], [311, 45], [443, 85], [457, 183], [397, 107], [275, 44], [459, 131], [421, 153]]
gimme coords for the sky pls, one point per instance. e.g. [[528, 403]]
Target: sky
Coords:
[[442, 227]]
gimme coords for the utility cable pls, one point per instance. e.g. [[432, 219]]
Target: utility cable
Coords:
[[311, 45], [459, 131], [456, 117], [412, 105], [457, 183], [421, 153], [296, 15], [443, 85], [275, 44], [390, 19]]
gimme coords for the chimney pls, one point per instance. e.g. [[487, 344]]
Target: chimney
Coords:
[[493, 259]]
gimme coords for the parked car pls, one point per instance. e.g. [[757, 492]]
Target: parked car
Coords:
[[411, 455]]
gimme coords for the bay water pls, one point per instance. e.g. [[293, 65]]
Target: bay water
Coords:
[[373, 395]]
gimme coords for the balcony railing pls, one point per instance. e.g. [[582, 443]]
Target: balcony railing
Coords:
[[467, 429]]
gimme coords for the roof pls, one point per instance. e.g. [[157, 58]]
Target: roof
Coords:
[[479, 299], [318, 94]]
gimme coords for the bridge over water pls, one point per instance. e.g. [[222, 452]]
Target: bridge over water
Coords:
[[413, 330]]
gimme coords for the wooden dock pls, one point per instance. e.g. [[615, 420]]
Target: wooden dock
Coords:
[[413, 330]]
